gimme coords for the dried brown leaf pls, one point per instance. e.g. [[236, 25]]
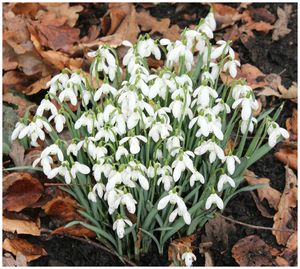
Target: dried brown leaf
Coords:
[[288, 201], [21, 190], [225, 15], [75, 230], [37, 86], [21, 226], [280, 26], [252, 251], [264, 212], [18, 245], [288, 156], [270, 194], [292, 125]]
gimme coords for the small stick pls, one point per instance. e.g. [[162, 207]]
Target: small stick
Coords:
[[255, 226]]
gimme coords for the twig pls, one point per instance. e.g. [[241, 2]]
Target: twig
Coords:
[[95, 244], [256, 226]]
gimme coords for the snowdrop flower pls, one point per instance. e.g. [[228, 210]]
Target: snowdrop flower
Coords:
[[58, 82], [166, 177], [129, 202], [101, 168], [87, 119], [172, 198], [230, 162], [86, 97], [62, 170], [182, 162], [99, 189], [274, 132], [210, 21], [60, 121], [240, 91], [203, 94], [213, 148], [231, 67], [177, 51], [137, 173], [35, 130], [248, 103], [160, 130], [68, 94], [53, 150], [113, 198], [134, 143], [147, 47], [224, 48], [205, 28], [79, 167], [46, 105], [74, 148], [173, 145], [46, 162], [105, 89], [244, 125], [120, 152], [119, 225], [220, 106], [182, 213], [223, 180], [194, 38], [18, 128], [92, 196], [196, 176], [107, 132], [188, 258], [214, 199]]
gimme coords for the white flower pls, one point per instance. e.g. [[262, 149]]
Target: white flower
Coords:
[[58, 82], [68, 94], [59, 120], [220, 106], [99, 189], [173, 144], [87, 119], [248, 103], [147, 47], [166, 177], [53, 150], [46, 162], [213, 148], [129, 202], [231, 66], [86, 97], [214, 199], [182, 162], [105, 89], [92, 196], [120, 152], [62, 170], [101, 168], [188, 258], [172, 198], [224, 48], [244, 125], [18, 128], [46, 105], [203, 94], [134, 143], [223, 180], [274, 132], [183, 213], [79, 167], [230, 162], [119, 225], [160, 130], [195, 38], [210, 21], [196, 176]]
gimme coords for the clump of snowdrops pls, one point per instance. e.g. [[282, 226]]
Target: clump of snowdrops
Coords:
[[148, 158]]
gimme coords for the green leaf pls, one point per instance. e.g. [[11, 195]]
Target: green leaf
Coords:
[[154, 239]]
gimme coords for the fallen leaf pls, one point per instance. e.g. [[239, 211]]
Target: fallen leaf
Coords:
[[288, 201], [37, 86], [21, 226], [149, 23], [10, 261], [26, 8], [262, 14], [280, 26], [217, 231], [288, 155], [290, 93], [30, 251], [204, 248], [225, 15], [270, 194], [17, 153], [252, 251], [264, 212], [21, 190], [178, 246], [292, 125], [75, 230], [250, 24]]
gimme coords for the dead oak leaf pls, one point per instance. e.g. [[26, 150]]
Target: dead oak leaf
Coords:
[[288, 155], [288, 201], [225, 15], [18, 245], [21, 190], [37, 86], [21, 226], [270, 194], [252, 251], [280, 26], [75, 230], [292, 125]]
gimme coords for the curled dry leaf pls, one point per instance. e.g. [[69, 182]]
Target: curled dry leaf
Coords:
[[264, 212], [225, 15], [292, 125], [37, 86], [64, 210], [204, 248], [270, 194], [17, 153], [252, 251], [178, 246], [21, 190], [18, 245], [21, 226], [280, 26], [288, 155], [217, 231], [283, 218], [10, 261]]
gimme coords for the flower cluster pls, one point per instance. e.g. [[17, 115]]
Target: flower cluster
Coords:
[[149, 148]]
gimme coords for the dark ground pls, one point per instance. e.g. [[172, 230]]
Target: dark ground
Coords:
[[269, 57]]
